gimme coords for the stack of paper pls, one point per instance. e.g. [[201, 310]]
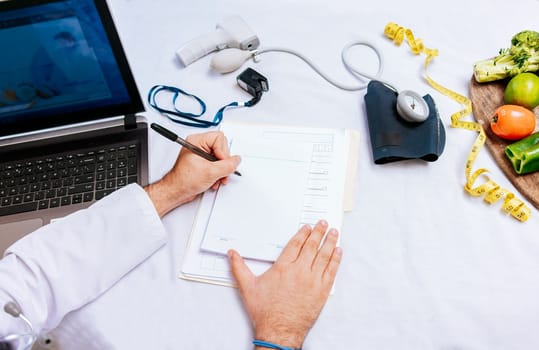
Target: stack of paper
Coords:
[[291, 176]]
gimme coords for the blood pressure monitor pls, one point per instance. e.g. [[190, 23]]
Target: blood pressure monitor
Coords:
[[412, 107]]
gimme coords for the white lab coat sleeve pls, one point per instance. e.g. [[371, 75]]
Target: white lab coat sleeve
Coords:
[[70, 262]]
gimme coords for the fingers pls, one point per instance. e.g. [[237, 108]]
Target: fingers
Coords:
[[324, 254], [220, 147], [223, 168], [293, 247], [241, 272], [331, 269], [214, 142], [312, 244]]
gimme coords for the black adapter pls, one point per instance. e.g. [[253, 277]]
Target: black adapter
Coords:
[[253, 82]]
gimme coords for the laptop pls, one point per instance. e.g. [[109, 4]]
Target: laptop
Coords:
[[69, 133]]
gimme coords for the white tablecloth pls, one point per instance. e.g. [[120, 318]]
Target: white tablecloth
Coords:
[[425, 265]]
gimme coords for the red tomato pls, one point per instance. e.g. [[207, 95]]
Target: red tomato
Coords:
[[512, 122]]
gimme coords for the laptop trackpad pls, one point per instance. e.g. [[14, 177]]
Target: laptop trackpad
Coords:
[[13, 231]]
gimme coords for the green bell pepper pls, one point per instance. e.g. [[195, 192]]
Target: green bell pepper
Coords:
[[524, 154]]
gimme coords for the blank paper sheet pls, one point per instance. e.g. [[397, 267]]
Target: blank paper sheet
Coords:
[[257, 213]]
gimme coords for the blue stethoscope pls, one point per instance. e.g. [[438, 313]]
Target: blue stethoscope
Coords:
[[22, 341]]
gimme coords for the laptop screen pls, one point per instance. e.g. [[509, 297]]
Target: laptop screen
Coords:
[[62, 63]]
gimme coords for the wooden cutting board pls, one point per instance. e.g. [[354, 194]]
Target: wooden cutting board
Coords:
[[486, 97]]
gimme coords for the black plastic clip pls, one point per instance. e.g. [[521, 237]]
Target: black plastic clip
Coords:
[[253, 82]]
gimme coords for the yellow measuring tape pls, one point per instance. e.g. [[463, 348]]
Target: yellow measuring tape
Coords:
[[492, 191]]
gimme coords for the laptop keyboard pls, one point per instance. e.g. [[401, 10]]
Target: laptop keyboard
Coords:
[[62, 179]]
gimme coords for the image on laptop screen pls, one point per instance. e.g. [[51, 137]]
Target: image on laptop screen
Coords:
[[57, 60]]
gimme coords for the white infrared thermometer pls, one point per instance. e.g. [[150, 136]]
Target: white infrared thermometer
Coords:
[[231, 32]]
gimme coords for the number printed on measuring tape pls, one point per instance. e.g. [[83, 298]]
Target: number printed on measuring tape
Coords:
[[490, 189]]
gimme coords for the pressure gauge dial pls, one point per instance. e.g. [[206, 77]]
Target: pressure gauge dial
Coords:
[[412, 107]]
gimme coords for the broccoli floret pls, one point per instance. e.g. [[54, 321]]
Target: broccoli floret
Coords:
[[522, 56], [526, 38]]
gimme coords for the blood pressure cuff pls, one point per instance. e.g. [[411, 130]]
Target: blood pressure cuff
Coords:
[[393, 138]]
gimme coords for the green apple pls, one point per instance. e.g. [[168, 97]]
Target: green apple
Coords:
[[523, 90]]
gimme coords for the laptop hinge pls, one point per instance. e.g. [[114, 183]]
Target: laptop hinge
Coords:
[[130, 121]]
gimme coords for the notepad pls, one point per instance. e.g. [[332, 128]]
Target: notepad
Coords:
[[256, 213], [291, 176]]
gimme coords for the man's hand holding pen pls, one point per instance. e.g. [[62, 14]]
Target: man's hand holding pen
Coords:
[[192, 174]]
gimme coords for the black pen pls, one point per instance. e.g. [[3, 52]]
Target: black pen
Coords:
[[196, 150]]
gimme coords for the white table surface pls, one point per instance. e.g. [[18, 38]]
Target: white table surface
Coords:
[[426, 266]]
